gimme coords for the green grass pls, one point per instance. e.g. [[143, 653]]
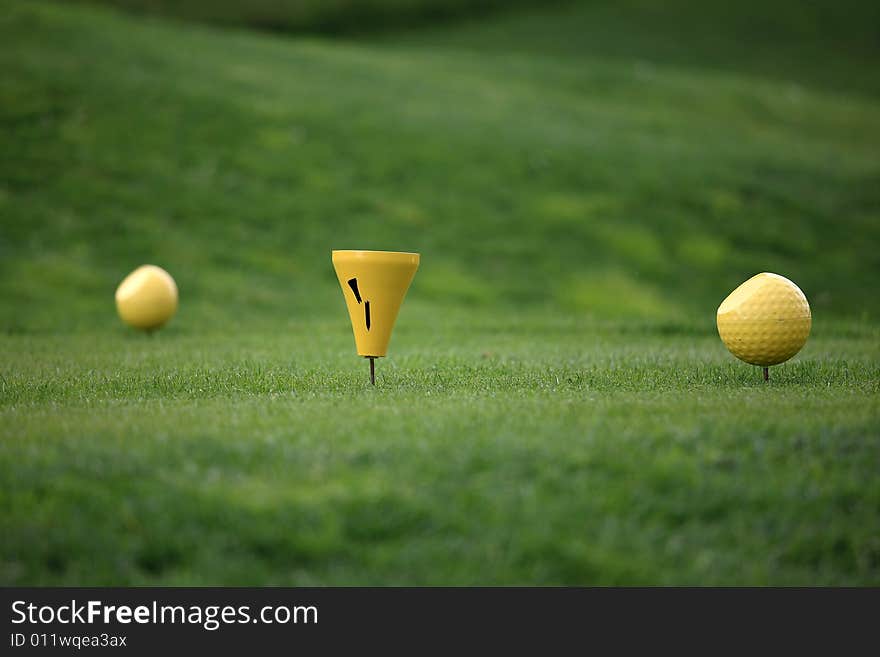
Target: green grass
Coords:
[[553, 453], [332, 16], [556, 408], [579, 184]]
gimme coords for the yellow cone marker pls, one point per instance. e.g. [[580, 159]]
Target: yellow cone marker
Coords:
[[765, 321], [147, 298], [374, 284]]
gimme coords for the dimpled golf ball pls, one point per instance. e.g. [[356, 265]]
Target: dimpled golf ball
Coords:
[[765, 321], [147, 298]]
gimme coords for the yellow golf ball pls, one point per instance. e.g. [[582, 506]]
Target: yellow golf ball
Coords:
[[147, 297], [765, 321]]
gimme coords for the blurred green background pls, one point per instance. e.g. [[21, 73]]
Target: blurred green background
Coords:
[[586, 181], [624, 160]]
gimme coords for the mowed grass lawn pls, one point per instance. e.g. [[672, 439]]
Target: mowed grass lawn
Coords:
[[556, 407], [546, 453]]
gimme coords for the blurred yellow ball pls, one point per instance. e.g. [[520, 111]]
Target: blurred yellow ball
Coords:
[[765, 321], [147, 298]]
